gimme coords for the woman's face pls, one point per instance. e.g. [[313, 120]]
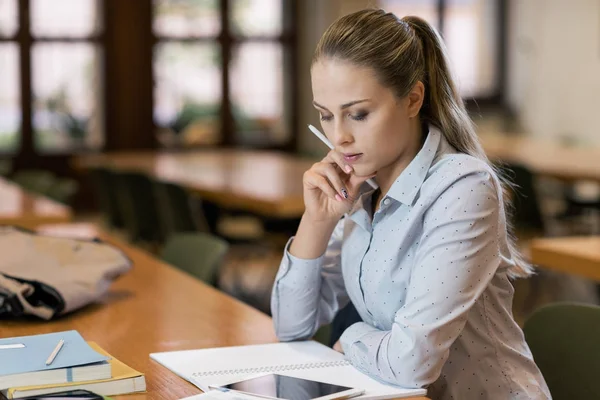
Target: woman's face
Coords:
[[364, 120]]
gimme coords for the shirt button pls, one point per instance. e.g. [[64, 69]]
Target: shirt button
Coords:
[[386, 202]]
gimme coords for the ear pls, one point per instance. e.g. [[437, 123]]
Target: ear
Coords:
[[415, 99]]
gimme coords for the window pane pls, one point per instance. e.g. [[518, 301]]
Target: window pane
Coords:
[[257, 93], [187, 93], [67, 96], [185, 18], [426, 9], [64, 18], [470, 31], [9, 18], [10, 103], [257, 17]]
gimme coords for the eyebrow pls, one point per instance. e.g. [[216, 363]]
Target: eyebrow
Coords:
[[343, 106]]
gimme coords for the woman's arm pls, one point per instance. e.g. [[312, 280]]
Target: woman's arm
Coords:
[[308, 292], [457, 257]]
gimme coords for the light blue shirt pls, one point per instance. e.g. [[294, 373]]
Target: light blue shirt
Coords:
[[428, 276]]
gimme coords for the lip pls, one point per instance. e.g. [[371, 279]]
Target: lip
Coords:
[[352, 157]]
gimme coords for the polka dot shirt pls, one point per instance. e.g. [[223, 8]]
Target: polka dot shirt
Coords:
[[428, 276]]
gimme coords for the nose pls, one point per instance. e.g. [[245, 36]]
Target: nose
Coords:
[[341, 135]]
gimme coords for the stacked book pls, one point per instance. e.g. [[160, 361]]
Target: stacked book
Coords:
[[57, 362]]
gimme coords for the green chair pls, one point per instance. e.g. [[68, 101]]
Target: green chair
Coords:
[[35, 180], [63, 190], [5, 167], [137, 205], [199, 254], [105, 186], [526, 213], [565, 341], [323, 335], [178, 210]]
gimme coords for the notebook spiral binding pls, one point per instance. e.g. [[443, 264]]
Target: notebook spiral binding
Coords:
[[289, 367]]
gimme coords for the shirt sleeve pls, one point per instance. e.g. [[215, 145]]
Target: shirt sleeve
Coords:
[[307, 293], [457, 257]]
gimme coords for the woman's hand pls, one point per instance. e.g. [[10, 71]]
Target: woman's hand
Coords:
[[338, 347], [330, 188]]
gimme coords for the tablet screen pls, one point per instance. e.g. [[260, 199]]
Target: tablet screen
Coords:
[[286, 387]]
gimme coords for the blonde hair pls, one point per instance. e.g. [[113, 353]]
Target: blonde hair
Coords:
[[402, 52]]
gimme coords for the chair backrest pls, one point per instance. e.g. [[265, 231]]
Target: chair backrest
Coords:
[[527, 213], [199, 254], [178, 211], [63, 190], [105, 188], [137, 202], [35, 180], [565, 341], [5, 167]]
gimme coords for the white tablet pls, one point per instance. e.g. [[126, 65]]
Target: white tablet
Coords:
[[275, 386]]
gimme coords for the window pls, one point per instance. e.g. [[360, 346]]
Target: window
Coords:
[[51, 57], [10, 97], [471, 30], [220, 72]]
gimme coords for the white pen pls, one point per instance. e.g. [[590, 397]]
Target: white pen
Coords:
[[324, 139], [55, 352]]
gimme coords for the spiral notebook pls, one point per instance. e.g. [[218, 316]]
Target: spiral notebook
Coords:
[[307, 359]]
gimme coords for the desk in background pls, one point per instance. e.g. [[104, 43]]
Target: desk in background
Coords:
[[265, 182], [270, 183], [545, 157], [155, 308], [572, 255], [17, 207]]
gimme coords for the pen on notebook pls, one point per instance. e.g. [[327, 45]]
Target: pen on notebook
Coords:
[[55, 352], [324, 139]]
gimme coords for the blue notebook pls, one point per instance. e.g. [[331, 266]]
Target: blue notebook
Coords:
[[29, 353]]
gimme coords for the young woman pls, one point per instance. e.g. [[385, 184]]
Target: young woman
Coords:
[[426, 258]]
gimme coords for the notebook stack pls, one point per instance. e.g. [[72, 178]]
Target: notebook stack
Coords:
[[38, 365]]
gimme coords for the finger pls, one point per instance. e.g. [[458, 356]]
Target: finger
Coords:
[[318, 181], [335, 157], [334, 178]]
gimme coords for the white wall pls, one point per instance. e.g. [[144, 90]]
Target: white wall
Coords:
[[554, 67]]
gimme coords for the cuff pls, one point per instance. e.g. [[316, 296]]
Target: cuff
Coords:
[[299, 269], [353, 333]]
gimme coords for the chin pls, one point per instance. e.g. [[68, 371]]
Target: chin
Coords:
[[361, 171]]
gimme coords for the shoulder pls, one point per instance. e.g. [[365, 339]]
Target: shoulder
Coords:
[[461, 178], [451, 169]]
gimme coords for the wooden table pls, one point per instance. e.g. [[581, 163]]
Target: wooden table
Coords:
[[572, 255], [156, 308], [545, 157], [265, 182], [18, 207]]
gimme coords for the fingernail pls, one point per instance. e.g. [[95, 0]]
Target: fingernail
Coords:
[[348, 168], [345, 193], [338, 197]]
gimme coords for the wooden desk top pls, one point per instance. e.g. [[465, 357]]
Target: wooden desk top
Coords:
[[18, 207], [156, 308], [545, 157], [573, 255], [266, 182]]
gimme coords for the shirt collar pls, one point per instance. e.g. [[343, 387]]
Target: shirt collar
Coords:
[[408, 184]]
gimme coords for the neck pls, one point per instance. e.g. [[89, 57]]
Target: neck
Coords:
[[388, 175]]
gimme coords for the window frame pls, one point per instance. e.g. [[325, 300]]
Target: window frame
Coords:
[[228, 40], [25, 41]]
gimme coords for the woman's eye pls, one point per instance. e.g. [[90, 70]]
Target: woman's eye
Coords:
[[326, 117], [359, 117]]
